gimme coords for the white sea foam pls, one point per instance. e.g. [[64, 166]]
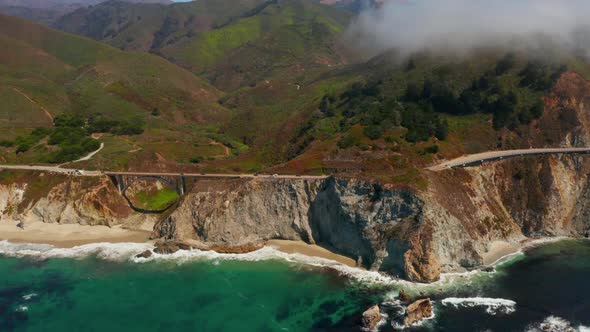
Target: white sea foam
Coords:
[[507, 258], [29, 296], [269, 253], [22, 308], [128, 251], [493, 306], [107, 251], [556, 324]]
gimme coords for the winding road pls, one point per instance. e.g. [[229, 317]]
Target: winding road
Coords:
[[480, 158]]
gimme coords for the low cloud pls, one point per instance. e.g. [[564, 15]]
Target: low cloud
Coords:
[[462, 25]]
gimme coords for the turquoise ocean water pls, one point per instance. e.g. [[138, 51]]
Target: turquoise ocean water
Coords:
[[102, 288]]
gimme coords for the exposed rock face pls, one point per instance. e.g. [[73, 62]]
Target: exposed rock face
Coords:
[[418, 311], [371, 318], [170, 247], [145, 254], [355, 218], [51, 198]]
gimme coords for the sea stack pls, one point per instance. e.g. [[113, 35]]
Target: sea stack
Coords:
[[371, 318], [418, 311]]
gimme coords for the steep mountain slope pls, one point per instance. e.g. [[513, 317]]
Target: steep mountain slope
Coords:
[[143, 27], [233, 43], [49, 11], [45, 73], [49, 4]]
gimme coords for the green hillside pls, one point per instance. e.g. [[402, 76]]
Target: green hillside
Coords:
[[134, 26], [46, 73], [231, 43]]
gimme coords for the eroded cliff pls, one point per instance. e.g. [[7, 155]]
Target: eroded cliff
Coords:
[[52, 198]]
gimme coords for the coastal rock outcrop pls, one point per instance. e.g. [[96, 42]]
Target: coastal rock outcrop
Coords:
[[51, 198], [355, 218], [371, 318], [145, 254], [417, 311], [170, 247]]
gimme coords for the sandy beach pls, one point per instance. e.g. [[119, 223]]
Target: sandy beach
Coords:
[[68, 235], [498, 250], [303, 248]]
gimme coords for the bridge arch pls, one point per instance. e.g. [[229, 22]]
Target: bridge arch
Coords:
[[124, 182], [161, 179]]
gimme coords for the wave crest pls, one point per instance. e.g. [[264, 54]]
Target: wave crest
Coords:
[[493, 306], [556, 324]]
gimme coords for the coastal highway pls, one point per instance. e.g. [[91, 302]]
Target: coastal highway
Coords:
[[479, 158], [51, 169], [80, 172]]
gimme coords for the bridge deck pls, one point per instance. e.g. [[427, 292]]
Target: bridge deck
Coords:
[[499, 155]]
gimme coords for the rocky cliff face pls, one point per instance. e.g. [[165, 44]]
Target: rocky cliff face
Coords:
[[357, 219], [50, 198], [448, 227]]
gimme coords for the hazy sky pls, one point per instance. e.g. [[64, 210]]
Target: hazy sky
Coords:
[[413, 25]]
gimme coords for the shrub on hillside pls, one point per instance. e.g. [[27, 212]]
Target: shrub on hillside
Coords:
[[6, 143]]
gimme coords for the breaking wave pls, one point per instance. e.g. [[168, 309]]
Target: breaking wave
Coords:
[[493, 306], [556, 324], [107, 251], [127, 251]]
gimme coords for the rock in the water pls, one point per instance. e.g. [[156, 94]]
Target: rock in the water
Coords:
[[371, 318], [234, 249], [418, 311], [170, 247], [404, 297], [488, 269], [145, 254]]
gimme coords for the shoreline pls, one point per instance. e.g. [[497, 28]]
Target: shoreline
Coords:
[[310, 250], [66, 236], [69, 235], [500, 250]]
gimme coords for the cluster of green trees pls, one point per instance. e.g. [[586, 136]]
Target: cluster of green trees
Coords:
[[365, 104], [510, 91], [100, 124], [486, 95], [24, 143], [72, 135]]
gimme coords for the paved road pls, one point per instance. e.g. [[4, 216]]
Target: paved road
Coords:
[[51, 169], [220, 176], [71, 171], [476, 159]]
